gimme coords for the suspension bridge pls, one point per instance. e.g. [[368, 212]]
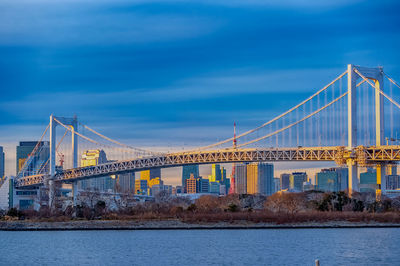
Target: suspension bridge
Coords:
[[351, 121]]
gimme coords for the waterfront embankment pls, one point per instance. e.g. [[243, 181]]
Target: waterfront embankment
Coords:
[[175, 225]]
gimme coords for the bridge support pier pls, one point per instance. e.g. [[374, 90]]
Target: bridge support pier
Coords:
[[353, 176], [74, 193], [380, 180], [51, 193]]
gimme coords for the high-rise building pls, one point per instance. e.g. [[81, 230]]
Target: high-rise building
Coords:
[[202, 185], [241, 178], [327, 180], [191, 184], [155, 181], [1, 163], [223, 174], [156, 189], [296, 181], [150, 174], [91, 158], [368, 181], [215, 187], [392, 182], [222, 190], [141, 186], [343, 176], [37, 162], [266, 178], [188, 170], [252, 178], [391, 170], [215, 173], [285, 181], [277, 184], [126, 183], [225, 182], [260, 178]]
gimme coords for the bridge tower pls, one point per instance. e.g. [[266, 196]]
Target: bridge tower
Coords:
[[376, 75], [73, 123]]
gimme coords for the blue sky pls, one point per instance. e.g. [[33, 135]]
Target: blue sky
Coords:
[[174, 72]]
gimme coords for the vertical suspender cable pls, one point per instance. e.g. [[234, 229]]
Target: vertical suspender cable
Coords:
[[391, 110]]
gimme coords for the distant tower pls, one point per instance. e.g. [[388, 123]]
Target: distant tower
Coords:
[[232, 187]]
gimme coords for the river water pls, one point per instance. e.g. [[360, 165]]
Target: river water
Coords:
[[365, 246]]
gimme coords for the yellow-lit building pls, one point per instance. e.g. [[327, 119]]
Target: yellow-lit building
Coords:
[[252, 178], [155, 181], [93, 157], [141, 187], [152, 176], [260, 178]]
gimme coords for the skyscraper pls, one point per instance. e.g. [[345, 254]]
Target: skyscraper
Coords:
[[38, 161], [91, 158], [266, 178], [277, 184], [215, 173], [392, 182], [327, 180], [150, 174], [141, 186], [241, 178], [343, 175], [191, 184], [296, 180], [285, 181], [368, 181], [260, 178], [1, 162], [126, 183], [187, 170], [203, 185]]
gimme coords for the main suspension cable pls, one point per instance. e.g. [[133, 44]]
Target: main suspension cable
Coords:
[[276, 118]]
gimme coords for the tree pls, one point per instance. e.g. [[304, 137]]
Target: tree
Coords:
[[208, 203], [290, 203]]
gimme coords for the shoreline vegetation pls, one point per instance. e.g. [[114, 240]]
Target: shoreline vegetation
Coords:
[[312, 209]]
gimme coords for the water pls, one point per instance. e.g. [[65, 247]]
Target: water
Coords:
[[373, 246]]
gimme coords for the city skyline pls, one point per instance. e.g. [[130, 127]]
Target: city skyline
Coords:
[[217, 132]]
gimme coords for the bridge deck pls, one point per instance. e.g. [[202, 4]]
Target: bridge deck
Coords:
[[339, 154]]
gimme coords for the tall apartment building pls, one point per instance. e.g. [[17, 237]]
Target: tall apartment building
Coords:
[[215, 173], [393, 182], [260, 178], [2, 163], [191, 184], [241, 178], [25, 148], [126, 183], [285, 181], [91, 158], [187, 171], [296, 181], [327, 180]]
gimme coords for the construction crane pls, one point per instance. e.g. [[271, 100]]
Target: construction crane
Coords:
[[61, 156]]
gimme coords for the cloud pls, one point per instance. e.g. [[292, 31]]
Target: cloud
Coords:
[[168, 74]]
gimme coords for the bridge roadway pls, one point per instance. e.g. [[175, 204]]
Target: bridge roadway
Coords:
[[362, 155]]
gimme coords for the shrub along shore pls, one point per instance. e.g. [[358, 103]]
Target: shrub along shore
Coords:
[[312, 209]]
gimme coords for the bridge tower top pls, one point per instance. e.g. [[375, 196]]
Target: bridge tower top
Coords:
[[73, 123], [375, 74]]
